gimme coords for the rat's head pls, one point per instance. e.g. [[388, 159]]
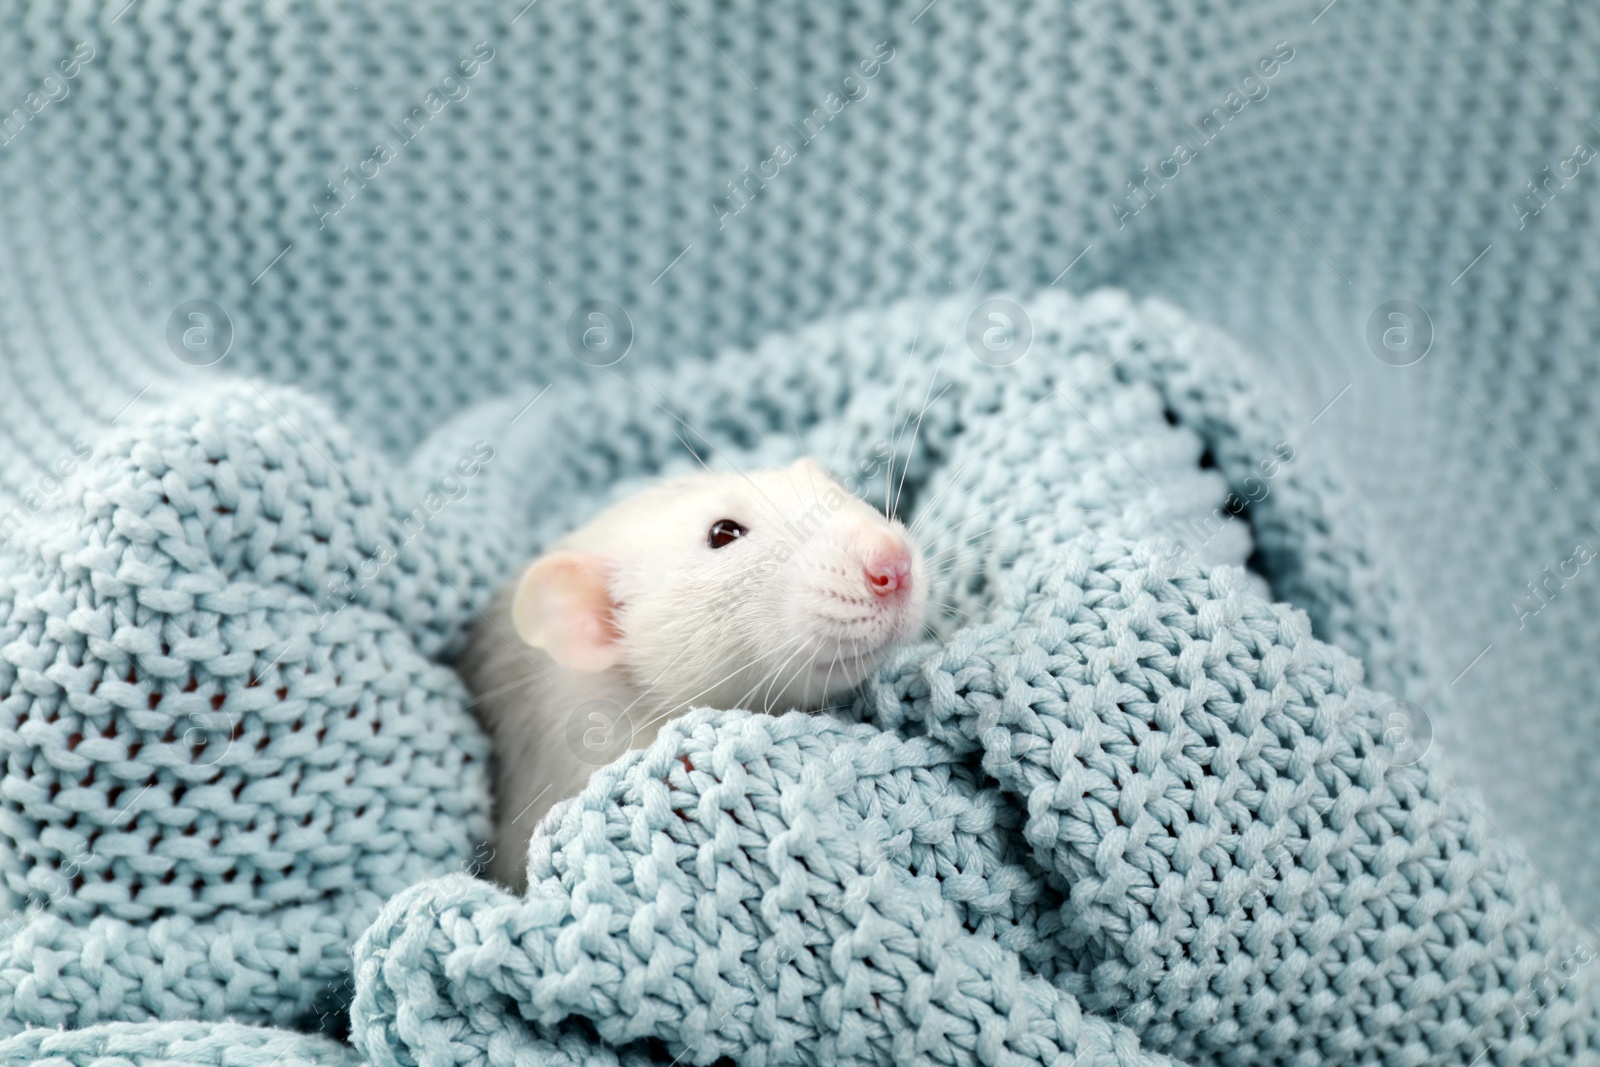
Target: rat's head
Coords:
[[766, 590]]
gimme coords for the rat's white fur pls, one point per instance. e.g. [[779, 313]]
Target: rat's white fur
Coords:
[[781, 618]]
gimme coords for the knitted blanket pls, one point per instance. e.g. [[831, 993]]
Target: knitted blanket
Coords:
[[1126, 806], [274, 278], [1187, 818], [1295, 171]]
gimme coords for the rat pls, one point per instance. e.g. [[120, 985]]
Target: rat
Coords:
[[768, 590]]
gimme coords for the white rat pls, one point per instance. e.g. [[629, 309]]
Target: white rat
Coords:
[[767, 590]]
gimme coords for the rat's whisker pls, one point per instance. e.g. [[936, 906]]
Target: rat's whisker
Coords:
[[949, 553], [838, 446], [941, 633], [804, 666], [744, 698], [776, 674], [893, 510], [894, 505], [683, 654], [925, 518], [994, 439], [692, 697], [689, 650], [827, 681], [894, 419], [686, 702], [491, 694], [1009, 496]]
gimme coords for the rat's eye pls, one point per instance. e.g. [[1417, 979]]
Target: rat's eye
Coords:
[[725, 532]]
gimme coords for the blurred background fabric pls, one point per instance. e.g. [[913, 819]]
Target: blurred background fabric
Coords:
[[1434, 153]]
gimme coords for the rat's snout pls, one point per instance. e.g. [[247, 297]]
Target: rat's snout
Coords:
[[888, 566]]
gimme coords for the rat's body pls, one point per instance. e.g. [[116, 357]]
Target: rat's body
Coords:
[[768, 590]]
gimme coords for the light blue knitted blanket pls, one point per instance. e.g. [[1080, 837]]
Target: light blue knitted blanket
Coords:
[[238, 550], [1126, 807]]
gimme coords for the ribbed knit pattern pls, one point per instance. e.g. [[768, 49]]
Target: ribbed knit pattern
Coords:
[[1154, 793], [174, 1045], [213, 773], [994, 148], [1225, 853], [1427, 152], [1176, 826]]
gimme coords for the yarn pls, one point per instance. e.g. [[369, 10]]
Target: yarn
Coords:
[[214, 772], [1139, 806], [734, 892], [174, 1045], [1217, 849], [999, 148], [1226, 853], [158, 153]]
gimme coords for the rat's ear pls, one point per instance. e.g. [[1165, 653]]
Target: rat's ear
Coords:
[[563, 605]]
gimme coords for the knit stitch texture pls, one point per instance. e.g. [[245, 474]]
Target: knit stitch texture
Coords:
[[1176, 826], [1198, 828], [213, 779], [175, 534], [1406, 151], [1152, 796]]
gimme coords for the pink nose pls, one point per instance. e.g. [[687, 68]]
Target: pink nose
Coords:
[[889, 573]]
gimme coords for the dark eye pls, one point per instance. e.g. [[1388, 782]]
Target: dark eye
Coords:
[[725, 532]]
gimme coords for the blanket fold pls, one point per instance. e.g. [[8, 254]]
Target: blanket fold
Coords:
[[744, 890], [219, 761]]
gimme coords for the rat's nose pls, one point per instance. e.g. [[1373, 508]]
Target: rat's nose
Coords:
[[889, 570]]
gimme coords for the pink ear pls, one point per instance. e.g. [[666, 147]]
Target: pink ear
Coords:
[[563, 605]]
